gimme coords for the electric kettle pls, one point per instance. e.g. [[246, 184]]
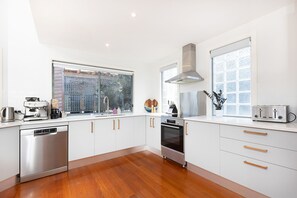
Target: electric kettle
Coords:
[[7, 114]]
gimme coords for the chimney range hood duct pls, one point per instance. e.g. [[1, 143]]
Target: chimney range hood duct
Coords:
[[189, 73]]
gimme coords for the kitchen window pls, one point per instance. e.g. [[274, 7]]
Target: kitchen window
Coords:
[[89, 89], [231, 66], [169, 91]]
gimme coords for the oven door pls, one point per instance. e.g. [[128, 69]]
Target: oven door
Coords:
[[172, 136]]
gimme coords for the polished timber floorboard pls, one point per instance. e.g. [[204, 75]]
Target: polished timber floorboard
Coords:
[[140, 174]]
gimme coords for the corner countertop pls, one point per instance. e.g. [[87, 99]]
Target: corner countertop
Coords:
[[72, 118], [245, 122]]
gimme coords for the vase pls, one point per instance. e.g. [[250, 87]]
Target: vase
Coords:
[[219, 113]]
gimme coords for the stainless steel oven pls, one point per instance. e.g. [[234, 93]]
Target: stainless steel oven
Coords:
[[172, 139]]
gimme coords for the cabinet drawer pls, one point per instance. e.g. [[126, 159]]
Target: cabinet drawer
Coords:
[[287, 158], [271, 180], [273, 138]]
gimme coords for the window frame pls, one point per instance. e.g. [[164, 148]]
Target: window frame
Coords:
[[56, 63], [170, 66], [236, 45]]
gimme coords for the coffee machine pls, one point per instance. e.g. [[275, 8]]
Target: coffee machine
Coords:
[[35, 109]]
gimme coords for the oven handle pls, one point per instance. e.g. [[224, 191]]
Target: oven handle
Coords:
[[169, 126]]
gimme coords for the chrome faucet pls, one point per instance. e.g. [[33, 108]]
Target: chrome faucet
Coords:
[[106, 101]]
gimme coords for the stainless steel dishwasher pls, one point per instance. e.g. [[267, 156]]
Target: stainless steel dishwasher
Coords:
[[43, 152]]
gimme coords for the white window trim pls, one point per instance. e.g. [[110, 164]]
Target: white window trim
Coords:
[[254, 67], [170, 66]]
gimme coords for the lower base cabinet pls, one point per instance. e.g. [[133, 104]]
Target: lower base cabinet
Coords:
[[153, 132], [95, 137], [9, 152], [202, 145], [81, 139], [266, 178]]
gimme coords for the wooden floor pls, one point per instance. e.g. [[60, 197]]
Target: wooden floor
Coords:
[[141, 174]]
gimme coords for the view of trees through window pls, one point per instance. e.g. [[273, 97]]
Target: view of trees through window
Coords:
[[89, 90]]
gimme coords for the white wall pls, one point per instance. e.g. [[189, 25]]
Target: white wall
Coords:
[[274, 54], [3, 46], [29, 67]]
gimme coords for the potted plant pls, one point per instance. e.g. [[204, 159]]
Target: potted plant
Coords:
[[217, 101]]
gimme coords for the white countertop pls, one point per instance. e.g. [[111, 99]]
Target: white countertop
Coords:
[[73, 118], [245, 122]]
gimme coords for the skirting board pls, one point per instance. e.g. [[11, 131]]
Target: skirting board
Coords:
[[153, 150], [239, 189], [103, 157], [8, 183]]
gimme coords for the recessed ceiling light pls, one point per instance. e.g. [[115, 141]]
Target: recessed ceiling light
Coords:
[[106, 44], [133, 14]]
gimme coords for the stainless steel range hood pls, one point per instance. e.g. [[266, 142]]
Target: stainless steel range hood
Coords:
[[189, 73]]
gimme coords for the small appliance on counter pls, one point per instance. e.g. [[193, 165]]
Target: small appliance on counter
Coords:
[[7, 114], [35, 109], [172, 110], [55, 111], [272, 113], [18, 115]]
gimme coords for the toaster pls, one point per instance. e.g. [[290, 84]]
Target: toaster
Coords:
[[270, 113]]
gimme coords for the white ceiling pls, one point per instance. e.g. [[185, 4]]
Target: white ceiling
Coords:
[[160, 28]]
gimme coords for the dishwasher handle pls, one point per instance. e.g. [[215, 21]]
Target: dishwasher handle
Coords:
[[49, 131], [44, 131]]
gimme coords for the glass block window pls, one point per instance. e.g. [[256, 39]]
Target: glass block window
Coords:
[[231, 66], [169, 91], [82, 89]]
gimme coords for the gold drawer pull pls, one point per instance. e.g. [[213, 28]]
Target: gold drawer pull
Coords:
[[255, 149], [119, 124], [186, 128], [151, 122], [255, 133], [256, 165], [113, 124], [92, 127]]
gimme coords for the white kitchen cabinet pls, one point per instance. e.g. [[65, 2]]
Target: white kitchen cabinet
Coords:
[[262, 160], [153, 132], [139, 131], [124, 133], [100, 136], [81, 139], [105, 134], [114, 134], [202, 145], [9, 152], [266, 178]]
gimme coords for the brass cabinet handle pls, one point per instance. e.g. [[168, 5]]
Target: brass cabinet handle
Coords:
[[256, 165], [113, 124], [150, 122], [255, 149], [119, 124], [186, 128], [92, 127], [255, 133], [153, 119]]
